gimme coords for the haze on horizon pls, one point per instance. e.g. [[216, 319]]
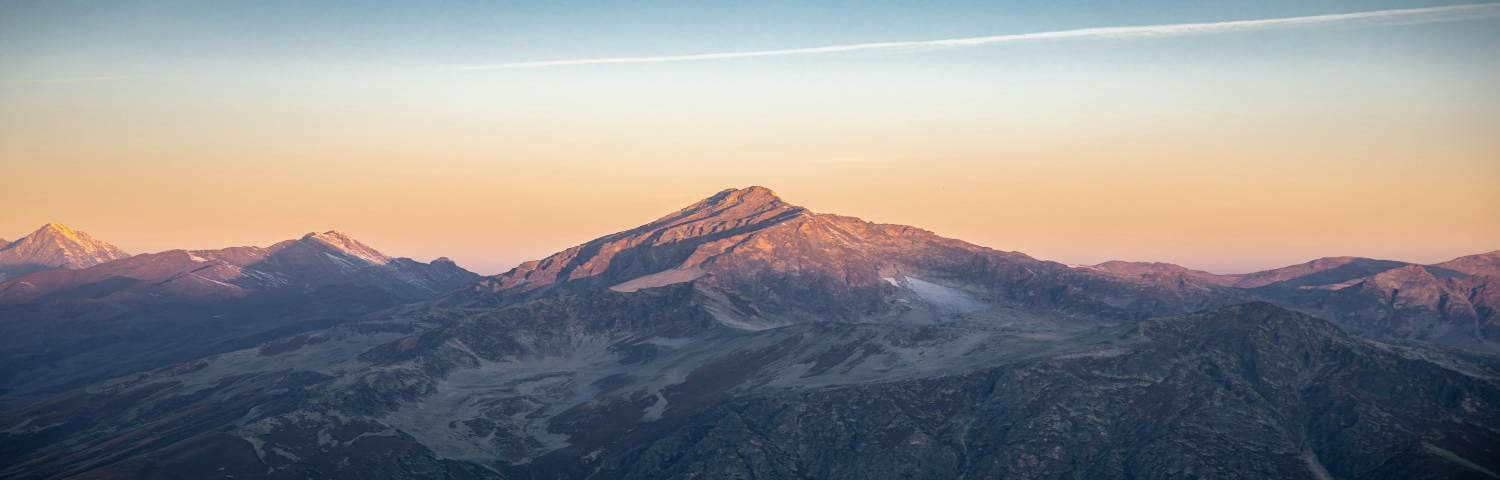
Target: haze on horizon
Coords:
[[176, 124]]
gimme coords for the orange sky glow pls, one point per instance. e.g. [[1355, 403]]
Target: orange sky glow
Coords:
[[1228, 153]]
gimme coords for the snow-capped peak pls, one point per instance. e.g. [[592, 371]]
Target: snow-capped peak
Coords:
[[57, 245], [347, 245]]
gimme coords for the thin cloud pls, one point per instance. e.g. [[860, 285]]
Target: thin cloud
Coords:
[[1406, 16]]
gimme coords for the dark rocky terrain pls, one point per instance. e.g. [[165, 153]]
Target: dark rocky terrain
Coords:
[[744, 337], [62, 327]]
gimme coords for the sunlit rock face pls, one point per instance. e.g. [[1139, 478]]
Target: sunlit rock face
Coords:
[[54, 246], [759, 261]]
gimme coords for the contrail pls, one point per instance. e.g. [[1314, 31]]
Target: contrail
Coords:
[[1405, 16]]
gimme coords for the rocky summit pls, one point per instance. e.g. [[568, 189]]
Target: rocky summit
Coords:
[[54, 246], [759, 262], [746, 337]]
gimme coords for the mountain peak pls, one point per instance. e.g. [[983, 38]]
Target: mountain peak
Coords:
[[729, 209], [731, 203], [57, 245], [1487, 263], [63, 234], [753, 194], [56, 229], [662, 244], [344, 244]]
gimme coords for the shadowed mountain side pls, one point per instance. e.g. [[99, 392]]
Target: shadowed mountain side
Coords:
[[315, 260], [1451, 303], [575, 387], [1317, 272], [66, 344], [62, 328]]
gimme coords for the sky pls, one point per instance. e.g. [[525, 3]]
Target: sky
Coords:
[[431, 130]]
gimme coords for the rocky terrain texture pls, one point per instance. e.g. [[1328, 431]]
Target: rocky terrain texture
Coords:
[[63, 327], [762, 262], [603, 388], [1484, 264], [54, 246], [744, 337], [1452, 303]]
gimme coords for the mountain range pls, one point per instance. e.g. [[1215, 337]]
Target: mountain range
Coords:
[[316, 259], [745, 337], [65, 326]]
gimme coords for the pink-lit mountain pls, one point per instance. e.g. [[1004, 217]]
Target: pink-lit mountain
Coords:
[[310, 262], [54, 246]]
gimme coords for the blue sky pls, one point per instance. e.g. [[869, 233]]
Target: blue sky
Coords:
[[104, 38]]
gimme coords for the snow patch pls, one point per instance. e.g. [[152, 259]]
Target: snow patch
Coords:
[[1315, 466], [1453, 457], [659, 279], [944, 299]]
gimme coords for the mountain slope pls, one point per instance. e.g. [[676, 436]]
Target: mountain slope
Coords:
[[54, 246], [315, 260], [1323, 271], [1412, 302], [760, 262], [61, 328], [1249, 391], [1484, 264], [1450, 303], [559, 389], [1161, 269]]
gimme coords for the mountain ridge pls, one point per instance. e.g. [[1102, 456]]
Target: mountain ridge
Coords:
[[1487, 264], [747, 246], [54, 245], [313, 260]]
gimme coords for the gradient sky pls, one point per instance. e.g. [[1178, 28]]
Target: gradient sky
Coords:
[[192, 124]]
